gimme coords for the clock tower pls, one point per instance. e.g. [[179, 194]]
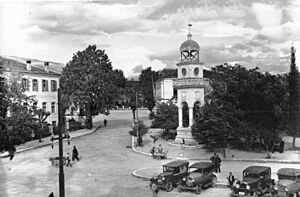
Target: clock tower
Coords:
[[190, 86]]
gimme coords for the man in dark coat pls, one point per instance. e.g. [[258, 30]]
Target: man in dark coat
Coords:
[[105, 122], [230, 179], [75, 154]]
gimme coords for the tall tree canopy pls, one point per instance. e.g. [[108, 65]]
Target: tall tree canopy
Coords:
[[244, 104], [18, 116], [147, 79], [89, 80], [166, 117], [132, 92]]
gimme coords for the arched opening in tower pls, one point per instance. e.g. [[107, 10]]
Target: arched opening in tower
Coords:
[[185, 114]]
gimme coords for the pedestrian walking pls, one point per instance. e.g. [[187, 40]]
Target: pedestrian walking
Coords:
[[154, 189], [68, 160], [75, 154], [11, 151], [230, 179], [152, 151], [281, 145], [218, 164], [105, 122]]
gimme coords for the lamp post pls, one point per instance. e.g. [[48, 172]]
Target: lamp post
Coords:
[[60, 146]]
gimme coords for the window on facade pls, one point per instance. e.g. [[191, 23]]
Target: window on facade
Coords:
[[44, 106], [53, 107], [35, 85], [25, 84], [35, 105], [44, 85], [53, 86]]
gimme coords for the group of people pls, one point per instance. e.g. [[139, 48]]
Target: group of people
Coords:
[[75, 155], [158, 150], [216, 161]]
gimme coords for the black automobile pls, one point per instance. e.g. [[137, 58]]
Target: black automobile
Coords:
[[172, 173], [256, 180], [200, 176]]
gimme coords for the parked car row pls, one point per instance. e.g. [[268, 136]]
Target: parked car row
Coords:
[[257, 182], [179, 174]]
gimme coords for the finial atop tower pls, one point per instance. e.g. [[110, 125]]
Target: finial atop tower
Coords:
[[189, 36]]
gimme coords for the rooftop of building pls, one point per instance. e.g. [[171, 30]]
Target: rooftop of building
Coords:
[[13, 64]]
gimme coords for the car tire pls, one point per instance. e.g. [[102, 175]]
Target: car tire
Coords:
[[198, 189], [179, 189], [169, 186]]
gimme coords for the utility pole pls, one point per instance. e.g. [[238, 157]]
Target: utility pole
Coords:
[[60, 146]]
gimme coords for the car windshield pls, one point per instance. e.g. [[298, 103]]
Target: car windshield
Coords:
[[251, 175], [168, 169], [285, 177]]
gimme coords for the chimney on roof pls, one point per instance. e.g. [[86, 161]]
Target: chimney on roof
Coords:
[[28, 65], [46, 65]]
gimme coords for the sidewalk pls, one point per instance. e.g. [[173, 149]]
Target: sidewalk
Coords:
[[200, 153], [47, 140]]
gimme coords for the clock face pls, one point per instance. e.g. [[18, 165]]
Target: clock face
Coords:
[[183, 71], [196, 71]]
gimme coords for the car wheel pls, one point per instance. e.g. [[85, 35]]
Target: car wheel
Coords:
[[213, 181], [179, 189], [169, 186], [198, 189]]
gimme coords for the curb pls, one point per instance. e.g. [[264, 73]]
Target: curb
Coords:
[[224, 159], [50, 143], [185, 146]]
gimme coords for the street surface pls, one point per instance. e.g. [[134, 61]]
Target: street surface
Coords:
[[105, 169]]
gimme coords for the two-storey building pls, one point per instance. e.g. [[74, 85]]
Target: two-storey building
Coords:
[[38, 82]]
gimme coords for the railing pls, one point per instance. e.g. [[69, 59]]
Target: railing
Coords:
[[190, 82]]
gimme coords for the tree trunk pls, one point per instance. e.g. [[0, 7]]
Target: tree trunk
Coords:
[[89, 117]]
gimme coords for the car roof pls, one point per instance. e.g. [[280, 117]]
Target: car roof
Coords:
[[201, 165], [256, 169], [176, 163], [288, 171]]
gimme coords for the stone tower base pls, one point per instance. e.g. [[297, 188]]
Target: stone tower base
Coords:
[[186, 134]]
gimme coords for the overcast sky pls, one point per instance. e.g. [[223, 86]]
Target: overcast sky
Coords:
[[140, 33]]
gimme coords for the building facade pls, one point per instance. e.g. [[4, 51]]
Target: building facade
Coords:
[[164, 91], [41, 84]]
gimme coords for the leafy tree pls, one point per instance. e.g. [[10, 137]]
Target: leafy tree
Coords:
[[139, 130], [41, 119], [147, 79], [132, 93], [19, 118], [168, 73], [166, 117], [89, 81], [245, 104], [294, 97]]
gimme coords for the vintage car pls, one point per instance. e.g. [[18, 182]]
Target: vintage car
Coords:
[[200, 176], [288, 184], [172, 173], [256, 182]]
